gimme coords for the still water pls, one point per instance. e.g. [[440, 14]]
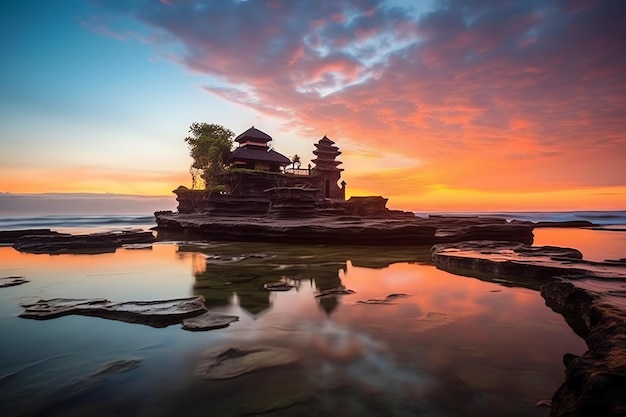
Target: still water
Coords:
[[456, 346]]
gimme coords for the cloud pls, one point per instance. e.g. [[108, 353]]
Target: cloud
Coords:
[[99, 179], [483, 92]]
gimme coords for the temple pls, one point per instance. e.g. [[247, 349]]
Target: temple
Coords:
[[326, 167], [259, 181], [255, 153]]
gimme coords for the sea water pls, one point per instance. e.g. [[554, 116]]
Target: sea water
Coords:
[[455, 346]]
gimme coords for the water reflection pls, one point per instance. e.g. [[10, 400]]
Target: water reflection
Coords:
[[455, 346]]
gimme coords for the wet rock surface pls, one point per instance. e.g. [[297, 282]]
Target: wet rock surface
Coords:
[[209, 321], [11, 281], [93, 243], [390, 299], [344, 230], [236, 361], [519, 262], [277, 286], [595, 383], [10, 236], [590, 295], [160, 313], [332, 292]]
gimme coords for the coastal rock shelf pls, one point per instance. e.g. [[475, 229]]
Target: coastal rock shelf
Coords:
[[209, 321], [519, 262], [160, 313], [341, 229], [12, 281], [53, 243], [590, 295], [10, 236], [595, 383]]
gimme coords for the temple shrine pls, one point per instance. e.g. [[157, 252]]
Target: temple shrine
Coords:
[[257, 181], [254, 152]]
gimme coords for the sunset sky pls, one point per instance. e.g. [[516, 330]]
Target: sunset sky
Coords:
[[437, 105]]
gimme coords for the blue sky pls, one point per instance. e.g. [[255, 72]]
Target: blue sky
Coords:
[[74, 95]]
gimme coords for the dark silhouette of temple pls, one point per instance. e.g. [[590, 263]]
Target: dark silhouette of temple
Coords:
[[326, 167], [254, 153], [257, 181]]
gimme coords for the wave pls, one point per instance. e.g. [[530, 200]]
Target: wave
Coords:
[[111, 222], [66, 221], [604, 218]]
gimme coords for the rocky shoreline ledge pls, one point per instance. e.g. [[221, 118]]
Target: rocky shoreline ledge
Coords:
[[338, 230], [51, 242], [590, 295]]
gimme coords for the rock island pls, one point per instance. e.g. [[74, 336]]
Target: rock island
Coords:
[[261, 195]]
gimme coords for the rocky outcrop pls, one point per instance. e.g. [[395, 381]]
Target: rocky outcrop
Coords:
[[209, 321], [388, 300], [590, 295], [352, 230], [291, 202], [565, 224], [305, 231], [333, 292], [11, 281], [595, 383], [93, 243], [10, 236], [277, 286], [160, 313], [532, 264]]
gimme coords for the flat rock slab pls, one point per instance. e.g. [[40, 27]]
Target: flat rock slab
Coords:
[[390, 299], [208, 321], [333, 292], [341, 230], [12, 281], [236, 361], [511, 259], [93, 243], [10, 236], [226, 259], [160, 313], [277, 286]]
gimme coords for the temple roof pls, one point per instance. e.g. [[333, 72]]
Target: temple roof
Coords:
[[247, 154], [326, 140], [253, 134]]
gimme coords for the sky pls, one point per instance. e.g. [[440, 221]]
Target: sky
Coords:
[[445, 105]]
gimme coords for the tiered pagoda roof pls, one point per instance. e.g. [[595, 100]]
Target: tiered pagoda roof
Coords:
[[326, 152], [254, 152], [253, 135]]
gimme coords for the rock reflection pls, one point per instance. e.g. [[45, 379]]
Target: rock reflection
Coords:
[[236, 273]]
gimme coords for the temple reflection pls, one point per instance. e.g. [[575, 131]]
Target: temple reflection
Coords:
[[236, 273]]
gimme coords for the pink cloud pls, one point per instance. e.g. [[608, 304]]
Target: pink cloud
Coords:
[[488, 94]]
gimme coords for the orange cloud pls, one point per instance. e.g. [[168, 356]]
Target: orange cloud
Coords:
[[495, 103], [90, 179]]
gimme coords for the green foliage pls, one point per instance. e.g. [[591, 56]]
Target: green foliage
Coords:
[[217, 189], [209, 145]]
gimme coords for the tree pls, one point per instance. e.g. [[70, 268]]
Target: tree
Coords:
[[209, 145]]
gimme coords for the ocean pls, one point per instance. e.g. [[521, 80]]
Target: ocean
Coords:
[[87, 223], [453, 346]]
